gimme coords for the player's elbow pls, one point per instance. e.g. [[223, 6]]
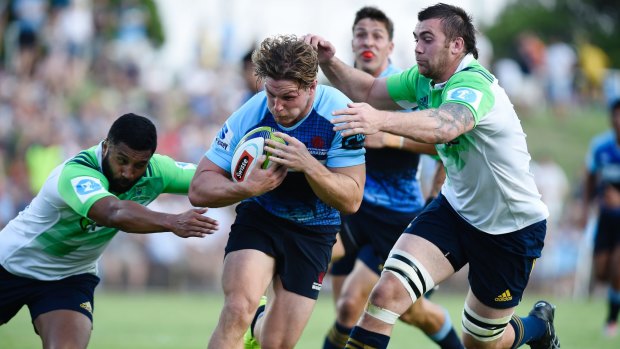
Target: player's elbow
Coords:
[[196, 196], [350, 209], [352, 205]]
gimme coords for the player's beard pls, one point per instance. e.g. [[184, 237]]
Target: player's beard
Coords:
[[116, 186]]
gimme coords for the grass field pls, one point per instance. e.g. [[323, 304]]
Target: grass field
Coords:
[[185, 320], [566, 140]]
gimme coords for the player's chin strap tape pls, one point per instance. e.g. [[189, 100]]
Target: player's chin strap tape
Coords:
[[410, 272], [481, 328]]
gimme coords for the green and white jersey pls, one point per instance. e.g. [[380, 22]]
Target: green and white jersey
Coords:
[[53, 238], [489, 182]]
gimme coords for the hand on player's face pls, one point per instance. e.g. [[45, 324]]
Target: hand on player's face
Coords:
[[358, 118], [293, 155]]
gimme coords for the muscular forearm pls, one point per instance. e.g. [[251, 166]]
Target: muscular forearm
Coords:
[[133, 217], [213, 190], [338, 190], [435, 126]]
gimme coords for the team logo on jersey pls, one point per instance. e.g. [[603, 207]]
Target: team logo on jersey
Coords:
[[88, 225], [465, 94], [423, 102], [224, 137], [86, 187], [317, 142]]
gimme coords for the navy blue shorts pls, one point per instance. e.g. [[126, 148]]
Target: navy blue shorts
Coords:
[[499, 265], [302, 254], [607, 230], [72, 293], [373, 230]]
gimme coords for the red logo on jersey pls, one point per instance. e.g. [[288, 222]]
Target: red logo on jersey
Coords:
[[317, 142]]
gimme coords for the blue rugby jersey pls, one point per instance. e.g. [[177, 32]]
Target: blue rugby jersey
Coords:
[[604, 159], [293, 199]]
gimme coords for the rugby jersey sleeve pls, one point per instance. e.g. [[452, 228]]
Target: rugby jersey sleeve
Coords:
[[80, 186], [344, 151], [236, 126], [471, 88], [402, 88], [176, 175]]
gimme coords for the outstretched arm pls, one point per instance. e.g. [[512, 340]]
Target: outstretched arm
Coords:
[[358, 85], [133, 217], [433, 126]]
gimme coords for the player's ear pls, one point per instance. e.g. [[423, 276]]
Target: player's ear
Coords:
[[104, 146], [458, 45], [312, 87]]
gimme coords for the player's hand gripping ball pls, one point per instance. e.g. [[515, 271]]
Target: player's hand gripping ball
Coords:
[[250, 148]]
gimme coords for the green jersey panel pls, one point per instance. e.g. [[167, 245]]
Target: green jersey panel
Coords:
[[53, 238], [489, 181]]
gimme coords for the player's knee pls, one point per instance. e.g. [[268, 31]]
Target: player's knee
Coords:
[[240, 308], [411, 274], [479, 331], [349, 308]]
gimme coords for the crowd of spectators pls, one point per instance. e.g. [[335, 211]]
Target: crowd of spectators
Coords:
[[69, 69]]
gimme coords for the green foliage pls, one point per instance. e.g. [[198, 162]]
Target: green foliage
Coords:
[[182, 321], [568, 20]]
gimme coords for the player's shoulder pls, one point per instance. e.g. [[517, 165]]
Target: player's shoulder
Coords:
[[328, 99], [473, 72], [86, 157], [604, 140]]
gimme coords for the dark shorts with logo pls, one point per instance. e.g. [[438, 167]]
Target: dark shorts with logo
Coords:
[[302, 253], [499, 265], [72, 293], [607, 230], [369, 235]]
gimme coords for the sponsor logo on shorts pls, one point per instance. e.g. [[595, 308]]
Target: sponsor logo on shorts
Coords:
[[87, 307], [318, 284], [504, 297]]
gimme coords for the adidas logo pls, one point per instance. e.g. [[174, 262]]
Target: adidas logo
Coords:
[[87, 306], [504, 297], [316, 286]]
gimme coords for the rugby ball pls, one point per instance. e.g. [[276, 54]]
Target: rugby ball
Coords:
[[248, 150]]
